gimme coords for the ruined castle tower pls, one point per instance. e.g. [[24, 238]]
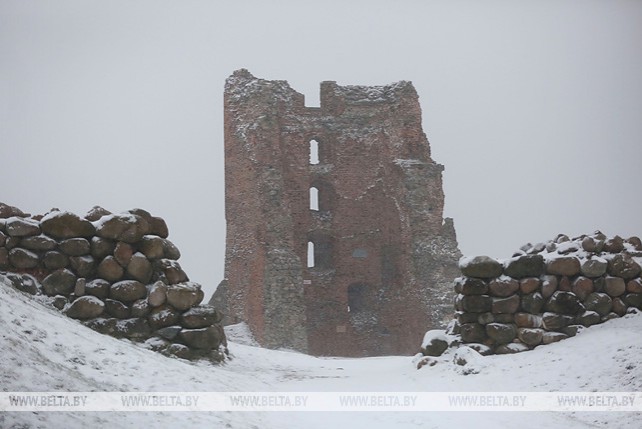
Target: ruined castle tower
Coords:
[[336, 244]]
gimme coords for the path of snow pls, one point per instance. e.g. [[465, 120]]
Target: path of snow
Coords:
[[41, 350]]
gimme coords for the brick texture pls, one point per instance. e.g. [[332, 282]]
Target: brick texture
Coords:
[[384, 256]]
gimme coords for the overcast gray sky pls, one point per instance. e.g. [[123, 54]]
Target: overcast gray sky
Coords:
[[534, 107]]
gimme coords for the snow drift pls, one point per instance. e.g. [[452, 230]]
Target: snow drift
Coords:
[[44, 351]]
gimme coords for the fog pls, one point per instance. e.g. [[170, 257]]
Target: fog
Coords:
[[534, 107]]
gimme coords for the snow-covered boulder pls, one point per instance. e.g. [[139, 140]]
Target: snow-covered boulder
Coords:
[[483, 267], [436, 342], [62, 225], [85, 307]]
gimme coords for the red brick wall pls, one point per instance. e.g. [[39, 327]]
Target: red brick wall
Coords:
[[388, 211]]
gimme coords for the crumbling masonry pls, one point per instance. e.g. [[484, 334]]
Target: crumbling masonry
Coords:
[[336, 242]]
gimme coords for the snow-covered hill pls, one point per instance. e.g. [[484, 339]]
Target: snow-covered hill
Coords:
[[41, 350]]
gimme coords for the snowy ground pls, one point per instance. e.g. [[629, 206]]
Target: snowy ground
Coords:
[[41, 350]]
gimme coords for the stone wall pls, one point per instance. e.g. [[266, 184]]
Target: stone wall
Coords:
[[117, 273], [546, 293], [384, 257]]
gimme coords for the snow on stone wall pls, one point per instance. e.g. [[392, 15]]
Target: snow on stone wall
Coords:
[[545, 293], [116, 273]]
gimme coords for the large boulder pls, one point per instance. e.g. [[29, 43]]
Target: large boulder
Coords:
[[163, 316], [200, 317], [110, 269], [592, 244], [554, 321], [634, 300], [533, 303], [157, 294], [524, 266], [599, 302], [624, 266], [170, 250], [124, 227], [171, 270], [157, 225], [480, 266], [530, 336], [588, 318], [140, 308], [564, 303], [614, 286], [619, 307], [38, 242], [527, 320], [529, 285], [62, 225], [7, 211], [582, 287], [98, 288], [182, 296], [634, 286], [563, 266], [11, 242], [23, 282], [470, 286], [134, 328], [477, 304], [636, 242], [117, 309], [505, 305], [435, 347], [123, 253], [169, 332], [473, 333], [96, 213], [102, 247], [501, 333], [54, 260], [127, 291], [75, 247], [204, 338], [549, 286], [503, 286], [614, 245], [60, 282], [85, 307], [152, 247], [140, 268], [84, 266], [23, 258], [21, 227], [594, 267]]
